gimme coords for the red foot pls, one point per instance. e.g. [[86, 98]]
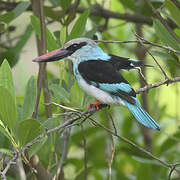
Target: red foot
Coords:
[[94, 103]]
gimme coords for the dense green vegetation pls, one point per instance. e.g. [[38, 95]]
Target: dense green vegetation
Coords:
[[88, 150]]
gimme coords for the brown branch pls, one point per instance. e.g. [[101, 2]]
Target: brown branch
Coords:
[[67, 123], [158, 15], [85, 152], [97, 10], [155, 85], [113, 149], [37, 7], [66, 136], [40, 171]]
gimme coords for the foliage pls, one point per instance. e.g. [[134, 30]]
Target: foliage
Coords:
[[86, 19]]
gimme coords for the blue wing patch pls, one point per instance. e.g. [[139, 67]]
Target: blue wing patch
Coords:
[[115, 87]]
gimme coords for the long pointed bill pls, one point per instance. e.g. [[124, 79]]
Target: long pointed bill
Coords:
[[55, 55]]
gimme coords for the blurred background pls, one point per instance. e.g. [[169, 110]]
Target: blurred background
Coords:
[[91, 152]]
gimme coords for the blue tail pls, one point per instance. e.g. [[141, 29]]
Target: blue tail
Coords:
[[142, 116]]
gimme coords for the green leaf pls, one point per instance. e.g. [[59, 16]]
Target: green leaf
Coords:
[[63, 33], [18, 10], [77, 96], [51, 13], [51, 42], [79, 27], [6, 79], [60, 93], [174, 11], [65, 3], [28, 130], [3, 130], [30, 98], [129, 4], [164, 35], [7, 108]]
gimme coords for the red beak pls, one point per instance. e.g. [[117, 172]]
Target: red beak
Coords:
[[55, 55]]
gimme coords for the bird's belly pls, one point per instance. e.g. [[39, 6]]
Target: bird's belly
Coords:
[[102, 96]]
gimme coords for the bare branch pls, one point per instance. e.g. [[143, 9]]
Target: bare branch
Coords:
[[144, 42], [66, 136], [85, 152], [155, 85], [37, 7], [113, 149], [165, 75]]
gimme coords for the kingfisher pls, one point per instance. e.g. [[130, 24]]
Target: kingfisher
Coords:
[[98, 74]]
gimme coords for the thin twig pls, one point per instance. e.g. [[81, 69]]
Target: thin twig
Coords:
[[112, 147], [37, 7], [66, 136], [143, 41], [62, 106], [172, 169], [111, 158], [85, 152], [87, 114], [155, 85], [165, 75]]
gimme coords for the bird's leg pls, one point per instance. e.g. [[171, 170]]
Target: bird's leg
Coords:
[[94, 103]]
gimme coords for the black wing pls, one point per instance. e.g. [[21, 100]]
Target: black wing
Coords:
[[100, 73], [124, 63]]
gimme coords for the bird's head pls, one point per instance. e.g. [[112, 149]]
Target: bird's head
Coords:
[[79, 48]]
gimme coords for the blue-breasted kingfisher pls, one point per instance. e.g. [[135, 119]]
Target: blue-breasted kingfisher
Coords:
[[97, 73]]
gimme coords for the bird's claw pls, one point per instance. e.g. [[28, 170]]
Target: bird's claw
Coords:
[[97, 105], [94, 103]]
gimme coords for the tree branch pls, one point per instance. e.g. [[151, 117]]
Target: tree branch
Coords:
[[97, 10], [144, 42], [37, 7], [155, 85]]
